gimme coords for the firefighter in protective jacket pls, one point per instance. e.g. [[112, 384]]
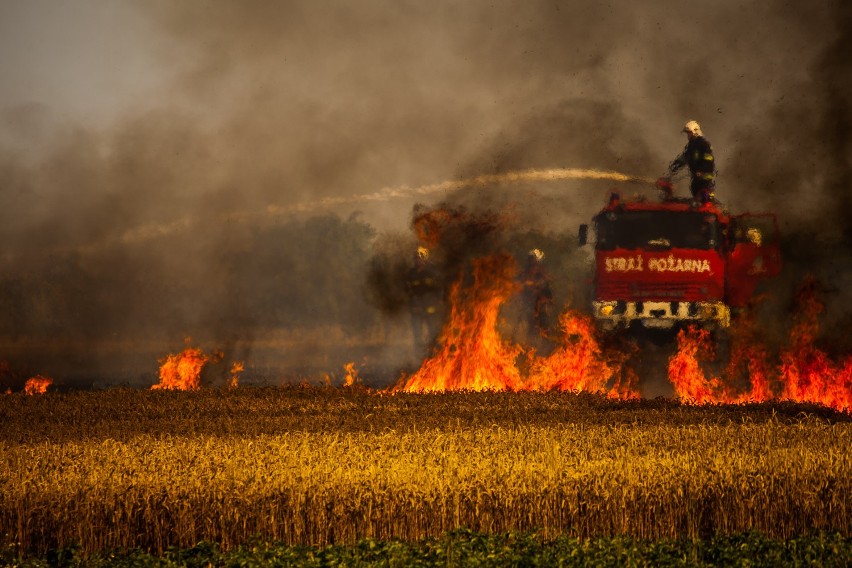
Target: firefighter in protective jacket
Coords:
[[698, 156], [425, 298], [537, 295]]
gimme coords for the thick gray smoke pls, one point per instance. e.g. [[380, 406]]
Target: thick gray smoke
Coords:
[[118, 241]]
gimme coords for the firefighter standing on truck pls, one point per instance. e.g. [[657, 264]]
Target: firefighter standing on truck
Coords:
[[698, 156], [425, 298]]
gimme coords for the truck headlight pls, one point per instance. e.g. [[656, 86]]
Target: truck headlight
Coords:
[[707, 311]]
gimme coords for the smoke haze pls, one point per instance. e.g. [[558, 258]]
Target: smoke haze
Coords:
[[125, 234]]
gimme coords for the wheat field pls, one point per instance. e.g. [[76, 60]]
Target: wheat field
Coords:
[[123, 468]]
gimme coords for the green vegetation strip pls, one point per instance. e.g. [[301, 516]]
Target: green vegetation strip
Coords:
[[465, 548]]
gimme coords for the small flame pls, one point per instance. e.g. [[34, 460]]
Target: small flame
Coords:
[[182, 371], [351, 378], [37, 385], [236, 369]]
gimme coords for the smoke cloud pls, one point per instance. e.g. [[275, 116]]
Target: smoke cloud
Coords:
[[120, 240]]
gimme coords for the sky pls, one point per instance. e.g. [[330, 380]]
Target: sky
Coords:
[[126, 123]]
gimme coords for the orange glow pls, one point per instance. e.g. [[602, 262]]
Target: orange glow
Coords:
[[6, 375], [236, 369], [182, 371], [37, 385]]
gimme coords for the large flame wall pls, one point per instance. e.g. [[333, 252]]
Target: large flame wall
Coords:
[[471, 354]]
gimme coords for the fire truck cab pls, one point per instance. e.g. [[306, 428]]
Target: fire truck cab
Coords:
[[663, 264]]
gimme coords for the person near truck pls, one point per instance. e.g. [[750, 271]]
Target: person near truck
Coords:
[[537, 296], [698, 157], [425, 297]]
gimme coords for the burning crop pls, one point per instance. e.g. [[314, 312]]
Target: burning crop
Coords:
[[582, 363], [37, 385], [351, 378], [472, 354], [808, 373], [182, 371], [804, 372], [685, 372], [185, 370], [237, 369]]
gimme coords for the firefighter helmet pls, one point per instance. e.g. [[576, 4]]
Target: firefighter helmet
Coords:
[[422, 253], [538, 254], [692, 127]]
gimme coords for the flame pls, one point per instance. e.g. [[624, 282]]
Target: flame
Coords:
[[351, 378], [37, 385], [749, 363], [472, 355], [581, 363], [236, 369], [685, 372], [807, 373], [804, 373], [182, 371]]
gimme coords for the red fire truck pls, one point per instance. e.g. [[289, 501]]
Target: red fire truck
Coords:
[[662, 264]]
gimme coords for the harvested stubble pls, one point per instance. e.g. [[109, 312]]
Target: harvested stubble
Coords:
[[315, 466]]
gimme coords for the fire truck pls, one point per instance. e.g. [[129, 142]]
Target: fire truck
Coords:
[[662, 264]]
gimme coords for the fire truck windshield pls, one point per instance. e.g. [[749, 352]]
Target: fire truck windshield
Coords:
[[656, 230]]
